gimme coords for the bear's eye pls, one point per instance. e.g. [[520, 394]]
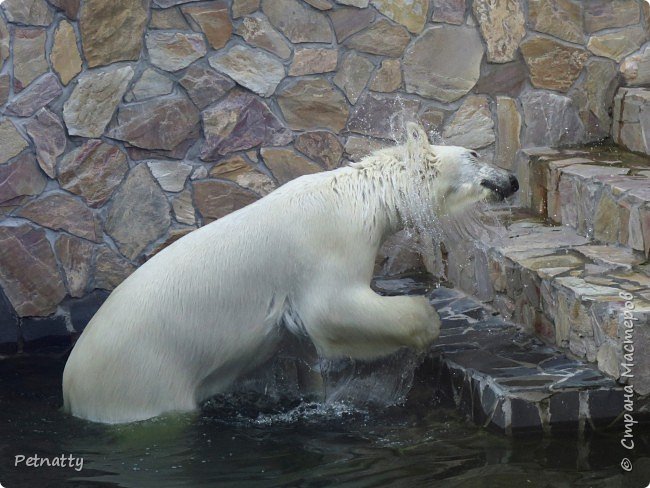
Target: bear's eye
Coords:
[[474, 154]]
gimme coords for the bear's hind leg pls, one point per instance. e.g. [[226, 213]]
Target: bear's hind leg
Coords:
[[361, 324]]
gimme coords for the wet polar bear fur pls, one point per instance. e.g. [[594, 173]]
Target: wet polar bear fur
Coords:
[[212, 306]]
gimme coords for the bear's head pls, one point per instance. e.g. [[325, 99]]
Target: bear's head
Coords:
[[455, 175]]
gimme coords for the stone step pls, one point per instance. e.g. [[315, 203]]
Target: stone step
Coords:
[[505, 378], [561, 287], [601, 192], [631, 124]]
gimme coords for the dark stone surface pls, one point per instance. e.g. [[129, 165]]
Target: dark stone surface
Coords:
[[564, 408], [45, 334], [605, 406], [82, 310], [525, 416], [8, 326]]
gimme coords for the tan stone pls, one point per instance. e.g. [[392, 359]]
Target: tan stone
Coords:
[[215, 199], [29, 56], [616, 45], [184, 208], [213, 20], [607, 14], [559, 18], [93, 102], [58, 211], [48, 134], [140, 213], [28, 12], [472, 125], [553, 65], [258, 32], [4, 42], [412, 14], [75, 256], [5, 85], [297, 21], [313, 104], [320, 146], [173, 51], [112, 31], [93, 171], [503, 27], [11, 142], [251, 68], [432, 119], [309, 61], [169, 18], [442, 46], [111, 269], [240, 171], [65, 57], [600, 85], [240, 8], [382, 38], [509, 124], [388, 77], [353, 75], [29, 275], [636, 68], [286, 165]]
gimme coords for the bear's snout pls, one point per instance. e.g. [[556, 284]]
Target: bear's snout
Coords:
[[514, 185], [504, 188]]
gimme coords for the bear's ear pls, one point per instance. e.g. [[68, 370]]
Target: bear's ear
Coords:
[[416, 138]]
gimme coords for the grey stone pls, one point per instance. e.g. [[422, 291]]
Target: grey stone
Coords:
[[173, 51], [171, 175], [441, 46], [616, 45], [253, 69], [607, 14], [215, 199], [93, 102], [241, 8], [184, 208], [412, 14], [636, 68], [309, 61], [29, 56], [48, 134], [258, 32], [38, 95], [472, 125], [111, 269], [382, 116], [509, 123], [553, 65], [170, 18], [204, 85], [21, 178], [320, 146], [158, 123], [449, 11], [348, 21], [65, 57], [140, 213], [150, 84], [298, 22], [75, 256], [388, 77], [550, 120], [286, 165], [381, 38], [254, 124], [353, 75], [213, 20]]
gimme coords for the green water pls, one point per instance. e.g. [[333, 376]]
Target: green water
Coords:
[[253, 444]]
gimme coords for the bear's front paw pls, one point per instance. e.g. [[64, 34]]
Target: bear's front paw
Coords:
[[427, 327]]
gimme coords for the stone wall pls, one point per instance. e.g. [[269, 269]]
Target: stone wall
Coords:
[[127, 124]]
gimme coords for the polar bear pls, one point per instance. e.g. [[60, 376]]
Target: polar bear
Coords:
[[212, 306]]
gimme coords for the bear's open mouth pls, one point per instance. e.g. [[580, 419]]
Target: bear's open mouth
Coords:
[[497, 191]]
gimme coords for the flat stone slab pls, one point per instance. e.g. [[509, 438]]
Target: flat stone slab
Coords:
[[504, 378]]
